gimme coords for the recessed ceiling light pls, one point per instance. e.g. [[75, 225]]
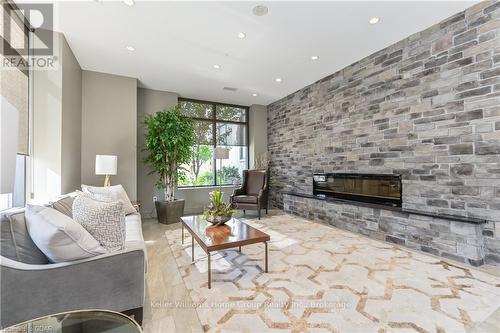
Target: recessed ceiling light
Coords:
[[241, 35], [130, 48], [314, 57], [374, 20], [278, 79], [254, 95], [129, 2], [260, 10], [217, 66]]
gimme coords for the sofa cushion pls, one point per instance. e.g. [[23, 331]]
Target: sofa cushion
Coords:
[[105, 221], [134, 238], [111, 193], [64, 205], [245, 199], [133, 228], [58, 236], [15, 241]]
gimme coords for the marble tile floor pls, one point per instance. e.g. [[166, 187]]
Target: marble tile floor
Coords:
[[164, 285], [173, 283]]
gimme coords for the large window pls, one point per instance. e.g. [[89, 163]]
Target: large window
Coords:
[[216, 125]]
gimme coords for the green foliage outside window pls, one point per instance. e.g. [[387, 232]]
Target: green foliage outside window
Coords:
[[211, 119], [229, 175]]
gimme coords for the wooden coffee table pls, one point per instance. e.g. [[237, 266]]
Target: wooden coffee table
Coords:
[[232, 234]]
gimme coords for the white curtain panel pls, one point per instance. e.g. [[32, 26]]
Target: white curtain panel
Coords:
[[9, 122]]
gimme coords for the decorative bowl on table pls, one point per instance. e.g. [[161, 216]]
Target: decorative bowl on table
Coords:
[[215, 219], [218, 212]]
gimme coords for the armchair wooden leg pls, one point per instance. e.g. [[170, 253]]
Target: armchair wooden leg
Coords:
[[259, 213], [266, 211], [244, 212]]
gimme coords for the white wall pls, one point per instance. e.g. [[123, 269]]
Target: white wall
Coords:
[[47, 133], [56, 125], [109, 127]]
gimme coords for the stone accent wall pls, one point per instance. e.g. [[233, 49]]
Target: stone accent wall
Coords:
[[427, 107], [450, 239]]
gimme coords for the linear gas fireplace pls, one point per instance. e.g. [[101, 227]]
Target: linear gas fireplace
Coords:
[[372, 188]]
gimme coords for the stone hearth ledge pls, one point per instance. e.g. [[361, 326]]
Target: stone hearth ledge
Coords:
[[464, 219], [457, 238]]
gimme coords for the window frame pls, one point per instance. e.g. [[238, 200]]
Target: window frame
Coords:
[[213, 120]]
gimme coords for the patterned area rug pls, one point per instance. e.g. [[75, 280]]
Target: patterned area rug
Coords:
[[322, 279]]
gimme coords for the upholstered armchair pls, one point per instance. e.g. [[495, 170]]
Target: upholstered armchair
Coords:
[[252, 194]]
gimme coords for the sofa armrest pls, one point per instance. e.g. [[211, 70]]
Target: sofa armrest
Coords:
[[113, 281]]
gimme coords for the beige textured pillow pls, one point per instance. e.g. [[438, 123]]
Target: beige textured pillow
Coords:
[[111, 193], [105, 221]]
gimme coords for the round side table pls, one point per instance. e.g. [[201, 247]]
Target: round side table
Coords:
[[81, 321]]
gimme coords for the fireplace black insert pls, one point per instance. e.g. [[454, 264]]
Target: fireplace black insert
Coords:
[[372, 188]]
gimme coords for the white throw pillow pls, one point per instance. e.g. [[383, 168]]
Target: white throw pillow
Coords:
[[105, 221], [58, 236], [111, 193]]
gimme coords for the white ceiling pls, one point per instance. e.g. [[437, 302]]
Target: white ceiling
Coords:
[[177, 43]]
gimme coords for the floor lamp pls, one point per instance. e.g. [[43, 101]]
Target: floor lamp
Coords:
[[221, 153]]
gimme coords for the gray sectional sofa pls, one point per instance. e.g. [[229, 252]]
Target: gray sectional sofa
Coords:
[[31, 286]]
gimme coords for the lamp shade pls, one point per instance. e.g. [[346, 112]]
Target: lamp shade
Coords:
[[9, 122], [106, 164], [221, 153]]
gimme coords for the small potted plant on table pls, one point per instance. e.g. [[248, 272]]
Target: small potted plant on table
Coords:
[[218, 212], [169, 139]]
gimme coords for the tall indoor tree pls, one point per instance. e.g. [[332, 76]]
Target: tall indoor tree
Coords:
[[169, 138]]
